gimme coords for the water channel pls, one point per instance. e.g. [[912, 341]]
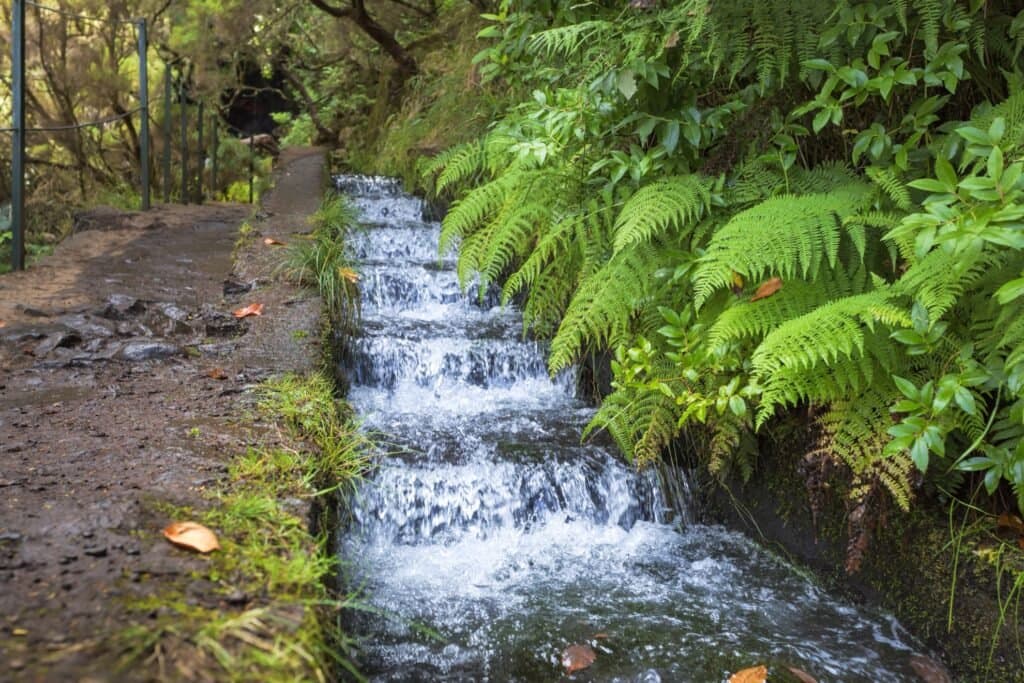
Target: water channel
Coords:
[[490, 538]]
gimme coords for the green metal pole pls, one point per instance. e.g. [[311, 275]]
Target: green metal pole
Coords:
[[18, 139], [144, 105], [184, 144], [168, 114], [252, 167], [202, 157], [216, 150]]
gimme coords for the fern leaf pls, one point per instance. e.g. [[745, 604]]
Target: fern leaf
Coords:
[[676, 202]]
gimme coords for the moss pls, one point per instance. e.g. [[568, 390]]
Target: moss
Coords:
[[261, 607], [948, 577]]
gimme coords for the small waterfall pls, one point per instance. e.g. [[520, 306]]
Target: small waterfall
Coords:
[[490, 538]]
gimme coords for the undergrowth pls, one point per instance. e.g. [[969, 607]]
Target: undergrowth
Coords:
[[266, 610], [321, 261]]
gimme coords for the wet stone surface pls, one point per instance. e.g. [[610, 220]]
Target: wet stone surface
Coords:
[[108, 415]]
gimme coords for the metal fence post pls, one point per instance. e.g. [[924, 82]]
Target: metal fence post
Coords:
[[184, 144], [252, 167], [202, 156], [168, 113], [144, 105], [216, 149], [18, 151]]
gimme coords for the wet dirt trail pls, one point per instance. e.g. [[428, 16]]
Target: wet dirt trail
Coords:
[[107, 411]]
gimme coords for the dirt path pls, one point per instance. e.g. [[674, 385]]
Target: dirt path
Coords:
[[107, 410]]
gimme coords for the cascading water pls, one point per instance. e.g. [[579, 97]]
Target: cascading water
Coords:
[[490, 539]]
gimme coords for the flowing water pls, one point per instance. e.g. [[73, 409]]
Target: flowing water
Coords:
[[490, 539]]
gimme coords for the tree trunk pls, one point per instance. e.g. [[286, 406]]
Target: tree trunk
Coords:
[[356, 12]]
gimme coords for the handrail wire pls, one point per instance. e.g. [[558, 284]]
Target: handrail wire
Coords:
[[78, 126], [72, 15]]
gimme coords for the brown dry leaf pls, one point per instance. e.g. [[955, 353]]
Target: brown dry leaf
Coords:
[[601, 636], [767, 288], [928, 670], [252, 309], [271, 242], [349, 274], [192, 536], [217, 373], [755, 674], [672, 40], [801, 675], [577, 658], [1011, 522]]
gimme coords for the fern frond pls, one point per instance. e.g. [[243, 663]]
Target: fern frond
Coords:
[[676, 203], [567, 40], [891, 184], [788, 236], [829, 351], [641, 423], [458, 165], [604, 304]]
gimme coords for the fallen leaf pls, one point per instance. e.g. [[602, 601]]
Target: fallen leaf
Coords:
[[192, 536], [928, 670], [271, 242], [252, 309], [349, 274], [755, 674], [802, 676], [601, 636], [767, 288], [19, 632], [217, 373], [3, 323], [672, 40], [577, 658], [1011, 522]]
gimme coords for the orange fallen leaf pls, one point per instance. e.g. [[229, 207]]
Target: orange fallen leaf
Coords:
[[577, 658], [601, 636], [271, 242], [349, 274], [755, 674], [192, 536], [1011, 522], [767, 288], [3, 323], [801, 675], [217, 373], [252, 309]]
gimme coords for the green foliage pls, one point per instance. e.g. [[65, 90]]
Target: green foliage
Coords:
[[322, 261], [764, 207]]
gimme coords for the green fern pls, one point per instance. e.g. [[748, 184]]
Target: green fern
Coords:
[[792, 237], [605, 303], [670, 203]]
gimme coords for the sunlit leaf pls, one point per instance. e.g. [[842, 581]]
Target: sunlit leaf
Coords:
[[193, 536], [252, 309], [767, 288], [755, 674], [577, 658]]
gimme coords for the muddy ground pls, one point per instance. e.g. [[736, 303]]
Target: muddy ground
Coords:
[[108, 411]]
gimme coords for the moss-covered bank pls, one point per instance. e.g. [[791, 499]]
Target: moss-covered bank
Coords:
[[944, 572]]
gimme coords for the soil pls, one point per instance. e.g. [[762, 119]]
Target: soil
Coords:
[[124, 382]]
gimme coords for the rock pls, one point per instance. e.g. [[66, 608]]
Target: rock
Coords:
[[64, 339], [121, 306], [219, 324], [137, 352], [88, 326]]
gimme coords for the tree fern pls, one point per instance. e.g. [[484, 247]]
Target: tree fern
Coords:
[[669, 203]]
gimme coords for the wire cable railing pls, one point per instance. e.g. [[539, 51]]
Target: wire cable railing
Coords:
[[191, 184]]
